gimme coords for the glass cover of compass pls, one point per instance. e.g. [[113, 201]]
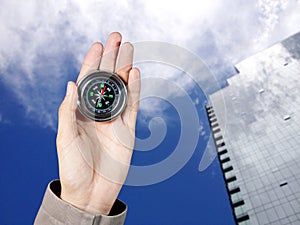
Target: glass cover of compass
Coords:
[[102, 96]]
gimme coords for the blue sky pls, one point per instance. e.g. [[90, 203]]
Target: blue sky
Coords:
[[42, 46]]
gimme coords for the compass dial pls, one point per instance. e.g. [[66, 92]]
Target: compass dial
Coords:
[[101, 96]]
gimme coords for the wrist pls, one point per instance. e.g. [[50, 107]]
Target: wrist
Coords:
[[86, 206], [96, 201]]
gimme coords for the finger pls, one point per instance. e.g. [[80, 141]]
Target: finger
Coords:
[[134, 86], [124, 64], [109, 58], [92, 60], [67, 116]]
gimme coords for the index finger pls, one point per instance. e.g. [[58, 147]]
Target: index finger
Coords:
[[92, 60]]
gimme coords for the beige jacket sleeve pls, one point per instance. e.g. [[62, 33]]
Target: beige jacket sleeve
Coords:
[[56, 211]]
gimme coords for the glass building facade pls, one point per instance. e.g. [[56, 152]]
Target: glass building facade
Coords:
[[257, 135]]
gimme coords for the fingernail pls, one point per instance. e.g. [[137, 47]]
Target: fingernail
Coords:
[[69, 88]]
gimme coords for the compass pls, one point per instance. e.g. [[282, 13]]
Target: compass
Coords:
[[102, 96]]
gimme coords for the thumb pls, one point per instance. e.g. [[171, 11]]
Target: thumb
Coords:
[[67, 116]]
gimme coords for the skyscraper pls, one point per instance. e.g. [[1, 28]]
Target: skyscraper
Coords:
[[257, 135]]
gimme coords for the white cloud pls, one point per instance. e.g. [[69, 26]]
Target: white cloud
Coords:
[[39, 37], [4, 120]]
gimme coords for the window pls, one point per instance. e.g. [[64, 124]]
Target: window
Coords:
[[231, 179], [227, 159], [238, 203], [224, 151], [283, 183], [209, 107], [213, 120], [212, 115], [221, 145], [219, 138], [242, 217], [227, 169], [214, 125], [234, 190], [216, 130]]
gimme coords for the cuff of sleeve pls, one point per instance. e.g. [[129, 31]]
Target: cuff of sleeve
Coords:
[[66, 213]]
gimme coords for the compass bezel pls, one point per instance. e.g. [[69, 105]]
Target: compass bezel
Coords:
[[119, 103]]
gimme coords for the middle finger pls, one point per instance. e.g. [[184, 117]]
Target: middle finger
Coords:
[[109, 58]]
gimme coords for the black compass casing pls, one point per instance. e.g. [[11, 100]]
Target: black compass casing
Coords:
[[102, 96]]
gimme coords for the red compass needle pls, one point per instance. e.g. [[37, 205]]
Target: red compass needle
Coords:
[[102, 91]]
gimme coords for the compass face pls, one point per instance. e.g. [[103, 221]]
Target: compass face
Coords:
[[101, 96]]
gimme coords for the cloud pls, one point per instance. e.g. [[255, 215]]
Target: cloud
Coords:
[[43, 43], [4, 120]]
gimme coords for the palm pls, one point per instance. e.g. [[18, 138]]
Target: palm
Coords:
[[94, 157], [111, 142]]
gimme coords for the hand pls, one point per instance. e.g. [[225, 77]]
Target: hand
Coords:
[[94, 157]]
